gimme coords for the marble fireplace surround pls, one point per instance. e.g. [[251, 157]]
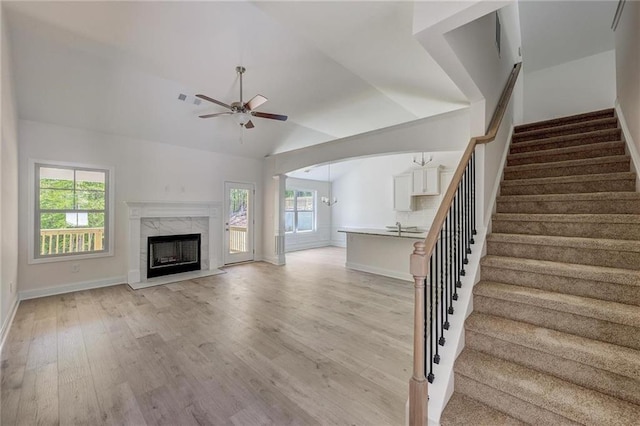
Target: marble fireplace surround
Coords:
[[204, 217]]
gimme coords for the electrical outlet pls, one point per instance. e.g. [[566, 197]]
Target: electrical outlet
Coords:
[[75, 268]]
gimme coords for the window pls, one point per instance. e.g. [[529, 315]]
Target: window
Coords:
[[299, 210], [71, 213]]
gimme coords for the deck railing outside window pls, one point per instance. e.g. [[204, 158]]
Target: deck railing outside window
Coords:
[[71, 240]]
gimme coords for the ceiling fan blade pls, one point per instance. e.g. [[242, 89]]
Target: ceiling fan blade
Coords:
[[214, 115], [255, 102], [249, 125], [268, 115], [207, 98]]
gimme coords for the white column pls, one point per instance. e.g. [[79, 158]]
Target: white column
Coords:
[[279, 195]]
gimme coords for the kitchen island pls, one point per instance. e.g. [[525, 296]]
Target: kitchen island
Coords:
[[381, 251]]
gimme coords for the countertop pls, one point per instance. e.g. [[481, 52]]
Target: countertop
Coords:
[[385, 233]]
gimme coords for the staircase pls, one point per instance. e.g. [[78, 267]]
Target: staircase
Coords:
[[554, 337]]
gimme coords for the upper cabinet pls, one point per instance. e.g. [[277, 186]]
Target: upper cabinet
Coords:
[[402, 191], [426, 181]]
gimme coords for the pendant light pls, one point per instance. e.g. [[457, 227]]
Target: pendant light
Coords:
[[422, 163], [329, 201]]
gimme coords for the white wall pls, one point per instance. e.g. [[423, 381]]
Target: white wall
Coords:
[[365, 194], [583, 85], [475, 46], [144, 171], [322, 235], [492, 156], [628, 68], [9, 184]]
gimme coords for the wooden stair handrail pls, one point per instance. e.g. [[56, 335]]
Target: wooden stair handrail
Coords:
[[419, 266], [438, 222]]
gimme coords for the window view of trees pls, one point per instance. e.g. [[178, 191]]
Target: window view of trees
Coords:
[[299, 207], [238, 207], [71, 209]]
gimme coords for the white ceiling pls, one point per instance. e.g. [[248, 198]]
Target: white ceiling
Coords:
[[335, 68], [554, 32]]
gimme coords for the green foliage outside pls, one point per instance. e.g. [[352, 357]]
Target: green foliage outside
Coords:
[[60, 195]]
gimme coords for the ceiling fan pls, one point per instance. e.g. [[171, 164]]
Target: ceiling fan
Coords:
[[242, 111]]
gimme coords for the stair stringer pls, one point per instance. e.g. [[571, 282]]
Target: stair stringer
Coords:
[[442, 389]]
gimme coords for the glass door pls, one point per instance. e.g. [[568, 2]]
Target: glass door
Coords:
[[239, 222]]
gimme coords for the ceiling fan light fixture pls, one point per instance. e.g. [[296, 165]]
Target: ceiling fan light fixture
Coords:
[[242, 118]]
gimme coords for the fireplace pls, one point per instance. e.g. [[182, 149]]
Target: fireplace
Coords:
[[172, 254]]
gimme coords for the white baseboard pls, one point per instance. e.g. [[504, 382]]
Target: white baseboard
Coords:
[[631, 146], [69, 288], [404, 276], [338, 243], [306, 246], [274, 260], [6, 325]]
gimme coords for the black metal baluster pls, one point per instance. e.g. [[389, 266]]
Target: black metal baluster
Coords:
[[465, 227], [468, 203], [445, 294], [436, 356], [430, 376], [456, 249], [460, 242], [451, 261], [442, 265], [473, 196]]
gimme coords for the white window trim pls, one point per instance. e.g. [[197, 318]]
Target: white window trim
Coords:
[[315, 212], [31, 231]]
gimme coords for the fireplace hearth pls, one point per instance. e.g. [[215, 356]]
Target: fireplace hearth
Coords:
[[172, 254]]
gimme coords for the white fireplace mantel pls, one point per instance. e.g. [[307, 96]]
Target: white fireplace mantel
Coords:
[[139, 210]]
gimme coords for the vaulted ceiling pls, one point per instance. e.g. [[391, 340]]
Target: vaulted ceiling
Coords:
[[335, 68]]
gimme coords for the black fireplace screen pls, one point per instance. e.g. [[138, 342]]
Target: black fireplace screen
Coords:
[[172, 254]]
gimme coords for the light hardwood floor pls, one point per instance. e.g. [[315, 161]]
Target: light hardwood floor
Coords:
[[308, 343]]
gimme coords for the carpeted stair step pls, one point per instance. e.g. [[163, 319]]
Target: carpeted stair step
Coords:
[[618, 182], [554, 122], [535, 397], [602, 149], [566, 129], [610, 226], [595, 319], [464, 411], [586, 251], [610, 369], [597, 202], [606, 135], [597, 165], [612, 284]]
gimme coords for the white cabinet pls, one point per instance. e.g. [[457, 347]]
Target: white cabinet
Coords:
[[402, 189], [426, 181]]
